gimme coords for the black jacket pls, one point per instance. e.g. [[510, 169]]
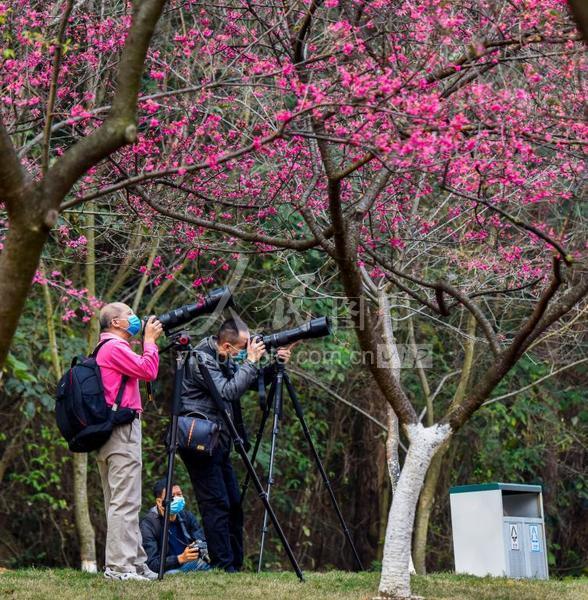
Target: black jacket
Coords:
[[151, 526], [232, 382]]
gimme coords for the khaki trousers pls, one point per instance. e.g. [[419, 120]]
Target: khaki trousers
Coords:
[[120, 463]]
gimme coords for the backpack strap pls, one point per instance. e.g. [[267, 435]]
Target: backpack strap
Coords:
[[95, 353], [121, 391], [123, 383]]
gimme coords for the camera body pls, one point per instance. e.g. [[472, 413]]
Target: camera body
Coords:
[[202, 548]]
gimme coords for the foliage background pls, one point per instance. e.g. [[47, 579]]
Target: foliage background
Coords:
[[536, 437]]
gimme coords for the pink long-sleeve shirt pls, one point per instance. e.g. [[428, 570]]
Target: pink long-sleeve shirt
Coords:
[[115, 359]]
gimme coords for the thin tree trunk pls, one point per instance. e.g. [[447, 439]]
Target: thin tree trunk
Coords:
[[50, 322], [80, 460], [146, 275], [84, 527], [126, 267], [392, 357], [580, 12], [427, 497]]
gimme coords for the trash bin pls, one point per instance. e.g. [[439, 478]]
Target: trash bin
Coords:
[[498, 529]]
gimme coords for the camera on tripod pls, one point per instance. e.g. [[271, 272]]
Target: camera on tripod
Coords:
[[314, 328]]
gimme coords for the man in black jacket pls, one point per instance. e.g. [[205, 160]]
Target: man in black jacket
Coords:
[[182, 554], [231, 358]]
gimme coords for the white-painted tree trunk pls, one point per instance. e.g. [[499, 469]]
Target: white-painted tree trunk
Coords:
[[89, 566], [424, 442], [393, 461]]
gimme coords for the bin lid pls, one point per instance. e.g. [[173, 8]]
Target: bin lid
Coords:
[[484, 487]]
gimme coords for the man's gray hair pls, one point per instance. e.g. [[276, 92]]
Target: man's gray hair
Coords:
[[109, 312]]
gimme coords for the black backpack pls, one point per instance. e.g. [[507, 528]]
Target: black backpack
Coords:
[[83, 417]]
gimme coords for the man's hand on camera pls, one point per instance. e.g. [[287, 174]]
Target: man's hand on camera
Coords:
[[153, 329], [255, 349], [188, 555], [284, 353]]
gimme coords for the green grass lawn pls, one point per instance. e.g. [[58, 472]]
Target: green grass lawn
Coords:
[[64, 584]]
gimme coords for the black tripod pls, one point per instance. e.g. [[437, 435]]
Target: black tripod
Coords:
[[275, 402], [181, 343]]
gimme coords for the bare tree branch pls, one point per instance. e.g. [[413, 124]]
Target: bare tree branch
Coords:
[[489, 46], [304, 375], [373, 191], [440, 288], [229, 229], [542, 317], [515, 221], [534, 383]]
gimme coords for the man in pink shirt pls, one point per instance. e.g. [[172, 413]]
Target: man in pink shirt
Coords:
[[119, 460]]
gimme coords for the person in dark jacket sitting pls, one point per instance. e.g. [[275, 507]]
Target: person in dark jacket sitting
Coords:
[[184, 530], [232, 359]]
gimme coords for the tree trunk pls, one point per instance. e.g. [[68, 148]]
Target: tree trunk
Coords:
[[80, 461], [580, 12], [424, 509], [86, 535], [370, 482], [146, 275], [424, 442], [393, 440], [84, 526], [19, 260], [427, 497], [393, 460]]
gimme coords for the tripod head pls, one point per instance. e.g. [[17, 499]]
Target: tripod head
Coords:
[[178, 341]]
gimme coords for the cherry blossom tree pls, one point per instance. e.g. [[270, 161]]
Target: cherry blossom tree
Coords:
[[35, 64]]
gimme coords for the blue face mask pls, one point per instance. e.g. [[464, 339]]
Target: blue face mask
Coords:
[[177, 505], [240, 356], [134, 325]]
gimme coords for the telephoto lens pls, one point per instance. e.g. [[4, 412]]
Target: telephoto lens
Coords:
[[180, 316], [315, 328]]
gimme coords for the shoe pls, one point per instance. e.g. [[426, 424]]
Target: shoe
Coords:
[[146, 572], [123, 576]]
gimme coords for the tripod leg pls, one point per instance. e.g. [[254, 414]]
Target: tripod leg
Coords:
[[300, 415], [178, 377], [278, 386], [243, 454], [258, 438], [268, 507]]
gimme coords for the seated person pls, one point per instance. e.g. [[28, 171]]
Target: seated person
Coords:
[[184, 530]]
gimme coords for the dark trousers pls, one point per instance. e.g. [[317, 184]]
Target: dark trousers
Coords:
[[218, 496]]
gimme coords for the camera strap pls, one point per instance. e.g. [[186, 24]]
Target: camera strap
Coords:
[[185, 533], [229, 374]]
